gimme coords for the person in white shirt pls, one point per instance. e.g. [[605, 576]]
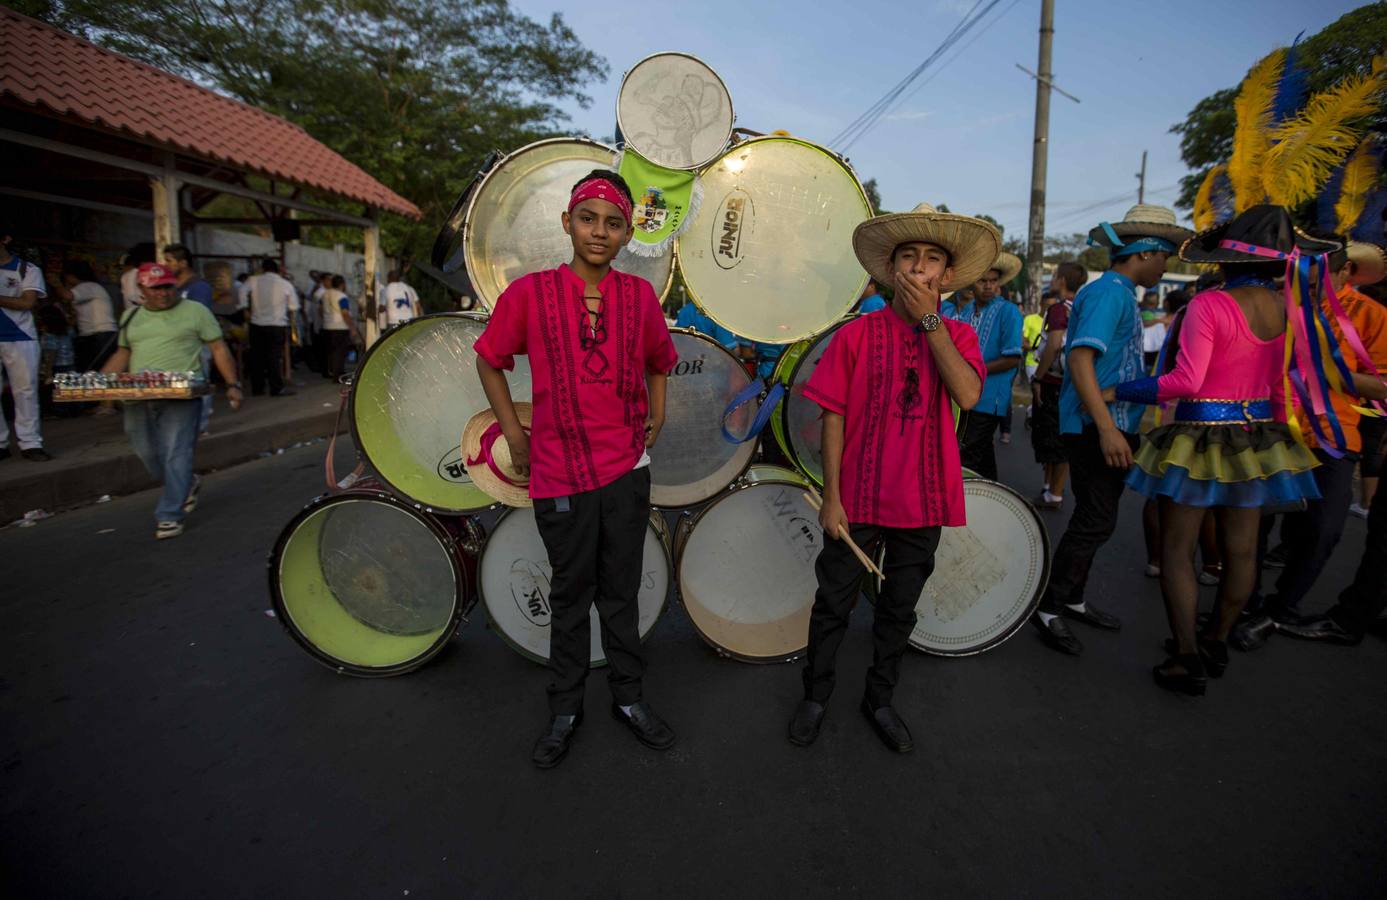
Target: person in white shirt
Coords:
[[339, 328], [21, 286], [129, 279], [91, 310], [271, 300], [399, 302], [1153, 328]]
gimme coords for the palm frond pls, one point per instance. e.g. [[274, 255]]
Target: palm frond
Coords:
[[1253, 108], [1360, 175], [1306, 149]]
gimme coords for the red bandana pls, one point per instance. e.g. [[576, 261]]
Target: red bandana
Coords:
[[601, 189]]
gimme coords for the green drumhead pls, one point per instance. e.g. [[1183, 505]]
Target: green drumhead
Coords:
[[412, 396], [784, 367], [801, 420], [367, 583]]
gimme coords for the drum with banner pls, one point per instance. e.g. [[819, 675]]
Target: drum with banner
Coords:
[[514, 577], [510, 226], [675, 111], [769, 254], [370, 586], [746, 567], [691, 462], [413, 392], [798, 423], [988, 576]]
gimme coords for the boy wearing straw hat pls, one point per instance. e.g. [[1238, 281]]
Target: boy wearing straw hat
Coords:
[[1102, 348], [599, 353], [891, 465]]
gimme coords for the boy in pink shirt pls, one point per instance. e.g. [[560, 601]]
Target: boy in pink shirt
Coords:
[[600, 353], [891, 463]]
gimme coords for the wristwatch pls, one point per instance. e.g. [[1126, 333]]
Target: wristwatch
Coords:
[[930, 322]]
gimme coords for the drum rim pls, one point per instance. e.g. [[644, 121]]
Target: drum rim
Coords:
[[751, 445], [694, 518], [847, 167], [465, 231], [510, 642], [474, 315], [461, 606], [726, 91], [783, 413]]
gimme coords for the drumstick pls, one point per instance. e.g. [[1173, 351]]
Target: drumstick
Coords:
[[813, 499]]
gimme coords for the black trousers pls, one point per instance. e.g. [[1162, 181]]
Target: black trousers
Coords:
[[595, 548], [1311, 535], [909, 563], [1364, 600], [1045, 427], [337, 341], [267, 357], [975, 450], [1097, 489]]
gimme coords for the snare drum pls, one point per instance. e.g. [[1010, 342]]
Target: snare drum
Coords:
[[413, 392], [988, 575], [514, 575], [769, 254], [746, 567], [675, 111], [370, 586], [691, 462], [511, 226], [798, 423]]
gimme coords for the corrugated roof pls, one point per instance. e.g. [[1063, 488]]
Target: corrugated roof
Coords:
[[43, 66]]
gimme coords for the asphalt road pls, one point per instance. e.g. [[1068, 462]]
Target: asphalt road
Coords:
[[163, 737]]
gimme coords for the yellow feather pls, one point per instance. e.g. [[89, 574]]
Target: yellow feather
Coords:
[[1311, 144], [1360, 175], [1203, 200], [1250, 139]]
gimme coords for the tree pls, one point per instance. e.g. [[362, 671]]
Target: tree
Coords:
[[869, 187], [415, 92], [1345, 47]]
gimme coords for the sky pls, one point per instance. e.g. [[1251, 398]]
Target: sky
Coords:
[[965, 137]]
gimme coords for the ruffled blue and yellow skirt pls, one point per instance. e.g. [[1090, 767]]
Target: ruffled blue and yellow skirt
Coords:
[[1224, 453]]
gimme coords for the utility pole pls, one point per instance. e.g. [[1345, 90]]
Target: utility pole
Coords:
[[1141, 180], [1035, 248]]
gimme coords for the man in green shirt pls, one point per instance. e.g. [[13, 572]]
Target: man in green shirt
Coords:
[[167, 334]]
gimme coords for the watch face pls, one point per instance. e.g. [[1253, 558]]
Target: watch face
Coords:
[[930, 321]]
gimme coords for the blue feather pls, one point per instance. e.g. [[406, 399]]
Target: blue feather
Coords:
[[1290, 92], [1221, 198], [1370, 224], [1325, 216]]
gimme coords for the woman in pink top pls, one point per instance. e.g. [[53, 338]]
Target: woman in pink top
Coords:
[[1228, 447]]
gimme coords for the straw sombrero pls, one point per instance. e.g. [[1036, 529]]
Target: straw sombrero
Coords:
[[973, 244], [1142, 220], [1369, 263], [495, 478], [1008, 264]]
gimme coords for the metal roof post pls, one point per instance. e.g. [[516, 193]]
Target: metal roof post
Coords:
[[371, 234]]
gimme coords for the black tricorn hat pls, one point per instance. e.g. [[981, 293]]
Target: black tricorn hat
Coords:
[[1263, 225]]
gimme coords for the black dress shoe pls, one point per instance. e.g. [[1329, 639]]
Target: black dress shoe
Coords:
[[1252, 634], [1322, 628], [1284, 616], [551, 748], [36, 454], [1057, 635], [1190, 680], [646, 725], [1091, 615], [804, 727], [889, 727]]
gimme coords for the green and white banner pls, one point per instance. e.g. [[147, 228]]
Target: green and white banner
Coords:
[[666, 201]]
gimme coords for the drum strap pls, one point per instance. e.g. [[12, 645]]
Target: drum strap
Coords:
[[770, 398]]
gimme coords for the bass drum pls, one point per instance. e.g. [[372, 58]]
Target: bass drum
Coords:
[[369, 586], [514, 575], [746, 567], [769, 254], [798, 423], [691, 462], [675, 111], [511, 226], [413, 392], [988, 575]]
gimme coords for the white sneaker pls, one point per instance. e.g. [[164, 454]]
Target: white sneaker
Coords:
[[190, 504], [1208, 578], [1153, 571], [168, 530], [1358, 510]]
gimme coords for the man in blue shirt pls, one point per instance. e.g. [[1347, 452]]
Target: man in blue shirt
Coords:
[[998, 326], [690, 316], [1102, 348], [871, 299]]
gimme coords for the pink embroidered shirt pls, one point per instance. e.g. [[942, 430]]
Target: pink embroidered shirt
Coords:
[[900, 465], [590, 402]]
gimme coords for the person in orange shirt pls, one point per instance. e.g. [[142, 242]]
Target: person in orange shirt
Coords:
[[1310, 535]]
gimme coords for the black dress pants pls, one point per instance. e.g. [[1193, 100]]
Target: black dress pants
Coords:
[[338, 341], [1311, 534], [595, 541], [909, 563], [975, 449], [267, 357], [1097, 489], [1364, 600]]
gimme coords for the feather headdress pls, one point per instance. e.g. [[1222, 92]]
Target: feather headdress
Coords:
[[1290, 90], [1359, 176], [1253, 107], [1206, 214]]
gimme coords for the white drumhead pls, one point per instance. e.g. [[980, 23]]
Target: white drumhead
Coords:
[[513, 225], [746, 570], [769, 254], [515, 575], [411, 397], [691, 461], [675, 111]]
